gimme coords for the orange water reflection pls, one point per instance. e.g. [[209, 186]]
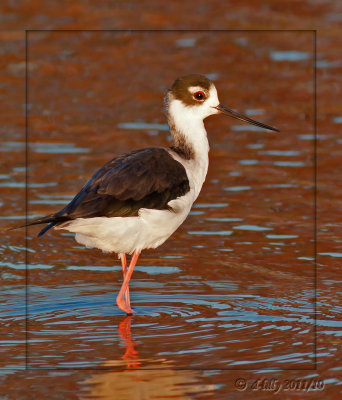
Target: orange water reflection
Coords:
[[236, 289], [131, 355]]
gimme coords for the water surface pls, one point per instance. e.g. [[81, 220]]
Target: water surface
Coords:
[[233, 289]]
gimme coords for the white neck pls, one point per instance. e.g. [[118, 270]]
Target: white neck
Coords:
[[187, 129], [190, 142]]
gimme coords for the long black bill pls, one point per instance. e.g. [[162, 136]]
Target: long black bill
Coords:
[[235, 114]]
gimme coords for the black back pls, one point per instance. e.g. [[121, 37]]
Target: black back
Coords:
[[146, 178]]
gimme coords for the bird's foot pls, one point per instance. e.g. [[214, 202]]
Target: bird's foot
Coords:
[[130, 314], [121, 303]]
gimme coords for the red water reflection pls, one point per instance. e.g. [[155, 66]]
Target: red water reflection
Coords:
[[131, 355], [237, 290]]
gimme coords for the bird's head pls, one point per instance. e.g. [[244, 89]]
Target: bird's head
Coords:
[[194, 97]]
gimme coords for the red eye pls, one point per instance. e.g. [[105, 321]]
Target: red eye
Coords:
[[199, 95]]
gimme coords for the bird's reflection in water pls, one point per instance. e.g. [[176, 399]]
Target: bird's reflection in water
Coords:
[[128, 380], [131, 355]]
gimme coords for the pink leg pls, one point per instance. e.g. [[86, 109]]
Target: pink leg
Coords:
[[124, 270], [120, 300]]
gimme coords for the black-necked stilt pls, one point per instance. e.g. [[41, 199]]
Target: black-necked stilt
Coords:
[[137, 200]]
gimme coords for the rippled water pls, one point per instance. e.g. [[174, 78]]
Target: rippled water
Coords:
[[233, 289], [291, 55]]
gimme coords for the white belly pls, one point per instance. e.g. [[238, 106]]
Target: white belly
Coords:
[[125, 234], [149, 229]]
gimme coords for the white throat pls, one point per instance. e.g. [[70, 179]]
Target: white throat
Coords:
[[190, 142], [187, 129]]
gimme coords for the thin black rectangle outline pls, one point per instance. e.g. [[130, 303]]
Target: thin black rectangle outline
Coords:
[[315, 275]]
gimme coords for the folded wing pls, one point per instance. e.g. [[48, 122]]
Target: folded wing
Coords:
[[146, 178]]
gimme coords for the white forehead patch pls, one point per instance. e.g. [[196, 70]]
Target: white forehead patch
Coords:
[[194, 89]]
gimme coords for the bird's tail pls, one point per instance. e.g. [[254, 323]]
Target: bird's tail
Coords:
[[51, 220]]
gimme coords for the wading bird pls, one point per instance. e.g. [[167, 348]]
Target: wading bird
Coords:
[[138, 199]]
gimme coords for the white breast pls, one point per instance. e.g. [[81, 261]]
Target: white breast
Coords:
[[149, 229]]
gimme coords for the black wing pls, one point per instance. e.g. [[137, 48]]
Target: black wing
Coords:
[[146, 178]]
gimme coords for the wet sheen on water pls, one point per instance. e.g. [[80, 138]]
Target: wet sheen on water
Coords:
[[233, 287]]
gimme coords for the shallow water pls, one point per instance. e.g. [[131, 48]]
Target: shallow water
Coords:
[[234, 288]]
